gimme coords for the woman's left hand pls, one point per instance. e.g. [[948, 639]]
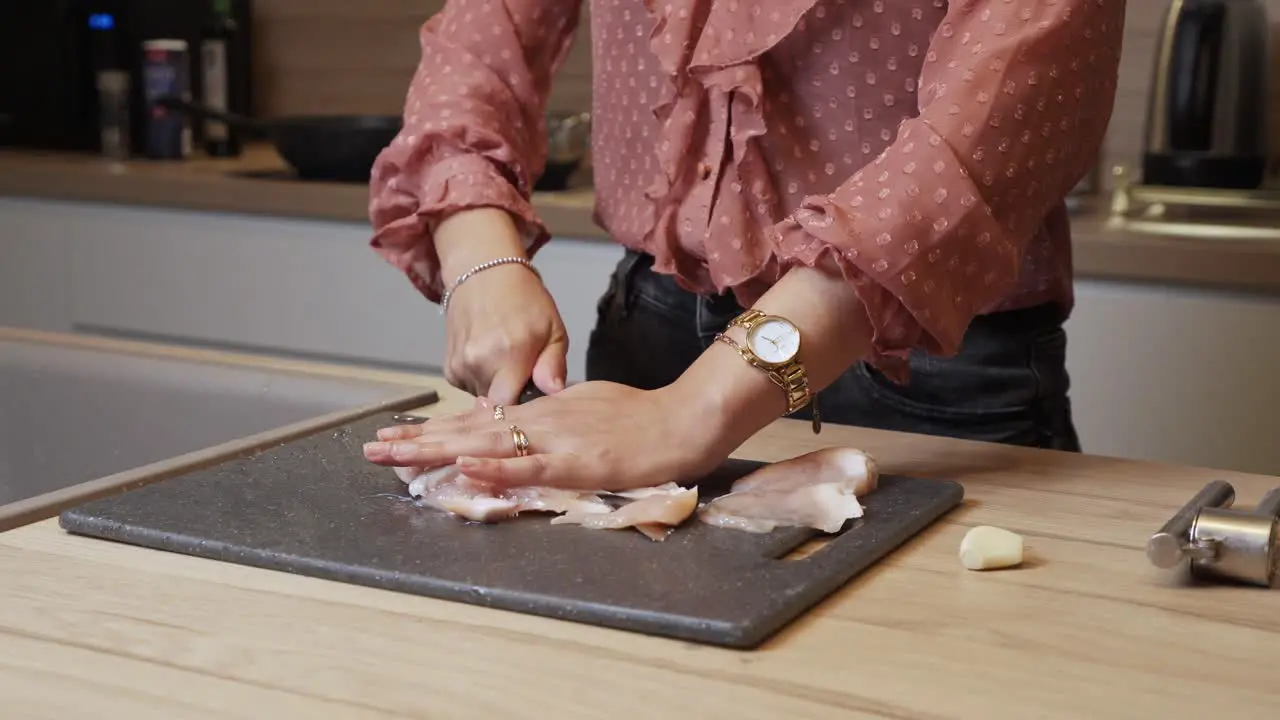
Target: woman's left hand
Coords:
[[590, 436]]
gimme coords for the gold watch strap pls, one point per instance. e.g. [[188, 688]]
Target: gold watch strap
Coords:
[[791, 378], [747, 319]]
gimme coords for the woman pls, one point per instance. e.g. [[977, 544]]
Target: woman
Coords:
[[883, 179]]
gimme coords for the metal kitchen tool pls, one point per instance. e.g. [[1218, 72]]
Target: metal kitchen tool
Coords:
[[314, 506], [1207, 118], [1219, 541]]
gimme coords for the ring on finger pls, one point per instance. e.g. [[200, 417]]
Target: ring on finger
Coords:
[[520, 440], [499, 413]]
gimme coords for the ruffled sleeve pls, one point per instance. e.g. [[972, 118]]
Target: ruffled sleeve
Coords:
[[1015, 102], [474, 131]]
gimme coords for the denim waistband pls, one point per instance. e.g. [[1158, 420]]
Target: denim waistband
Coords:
[[635, 277]]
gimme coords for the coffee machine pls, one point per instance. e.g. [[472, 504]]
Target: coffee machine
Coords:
[[1206, 122], [53, 53]]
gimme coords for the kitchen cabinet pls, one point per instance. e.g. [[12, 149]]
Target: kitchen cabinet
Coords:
[[1171, 373], [33, 265], [1177, 374], [287, 286]]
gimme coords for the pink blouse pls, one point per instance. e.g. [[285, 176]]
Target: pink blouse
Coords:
[[924, 146]]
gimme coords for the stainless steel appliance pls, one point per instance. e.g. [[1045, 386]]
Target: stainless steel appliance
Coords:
[[1207, 117], [53, 53]]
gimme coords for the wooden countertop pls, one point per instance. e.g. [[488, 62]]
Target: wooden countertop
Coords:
[[1087, 629], [222, 185]]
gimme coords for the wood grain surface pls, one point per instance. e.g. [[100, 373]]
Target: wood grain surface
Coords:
[[1085, 629]]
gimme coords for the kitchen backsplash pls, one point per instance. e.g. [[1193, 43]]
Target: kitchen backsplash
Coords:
[[338, 56], [327, 56]]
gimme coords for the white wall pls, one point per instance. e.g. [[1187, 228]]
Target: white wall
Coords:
[[1162, 373]]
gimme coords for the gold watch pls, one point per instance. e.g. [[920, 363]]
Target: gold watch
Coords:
[[773, 345]]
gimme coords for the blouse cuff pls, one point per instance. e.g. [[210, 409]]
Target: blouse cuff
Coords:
[[461, 182], [911, 233]]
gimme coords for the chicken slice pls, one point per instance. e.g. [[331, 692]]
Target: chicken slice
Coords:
[[847, 466], [654, 531], [477, 504], [654, 514], [637, 493], [824, 507], [446, 488], [818, 490], [557, 500]]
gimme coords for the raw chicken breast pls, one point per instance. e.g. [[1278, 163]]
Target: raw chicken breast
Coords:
[[818, 490], [655, 514], [637, 493], [824, 507], [446, 488], [850, 467]]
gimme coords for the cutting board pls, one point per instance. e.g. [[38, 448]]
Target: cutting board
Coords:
[[315, 507]]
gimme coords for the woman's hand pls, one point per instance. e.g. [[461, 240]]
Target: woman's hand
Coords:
[[604, 436], [503, 330], [592, 436], [503, 326]]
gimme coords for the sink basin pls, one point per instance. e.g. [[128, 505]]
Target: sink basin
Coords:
[[71, 414]]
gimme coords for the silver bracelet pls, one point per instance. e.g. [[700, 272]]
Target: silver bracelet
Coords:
[[444, 301]]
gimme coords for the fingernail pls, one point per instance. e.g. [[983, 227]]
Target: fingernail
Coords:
[[557, 383], [403, 451], [376, 447], [466, 462]]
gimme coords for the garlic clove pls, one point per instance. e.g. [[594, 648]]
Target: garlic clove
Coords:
[[990, 548]]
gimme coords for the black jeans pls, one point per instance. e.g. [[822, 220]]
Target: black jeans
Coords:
[[1008, 384]]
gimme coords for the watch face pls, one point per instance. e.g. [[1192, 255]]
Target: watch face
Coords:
[[774, 340]]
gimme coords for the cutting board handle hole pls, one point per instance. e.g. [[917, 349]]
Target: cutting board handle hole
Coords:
[[808, 548]]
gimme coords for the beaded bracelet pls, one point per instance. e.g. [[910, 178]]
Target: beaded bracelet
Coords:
[[444, 301]]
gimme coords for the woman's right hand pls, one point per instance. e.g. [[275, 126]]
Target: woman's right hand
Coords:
[[503, 326]]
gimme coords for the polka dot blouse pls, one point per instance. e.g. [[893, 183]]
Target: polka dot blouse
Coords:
[[922, 146]]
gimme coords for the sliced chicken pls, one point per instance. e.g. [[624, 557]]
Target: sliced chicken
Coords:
[[637, 493], [655, 514], [847, 466], [824, 507], [818, 490], [446, 488]]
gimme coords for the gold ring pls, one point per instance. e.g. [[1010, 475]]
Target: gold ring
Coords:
[[521, 441], [499, 414]]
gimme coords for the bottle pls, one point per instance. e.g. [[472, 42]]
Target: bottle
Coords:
[[219, 64], [166, 70], [113, 113]]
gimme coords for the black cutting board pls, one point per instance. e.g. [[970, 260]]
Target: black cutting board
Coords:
[[315, 507]]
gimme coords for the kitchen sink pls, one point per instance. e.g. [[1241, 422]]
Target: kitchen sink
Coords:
[[71, 413]]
